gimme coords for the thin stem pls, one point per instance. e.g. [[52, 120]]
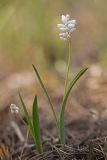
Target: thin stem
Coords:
[[68, 68], [28, 128], [20, 116], [24, 144], [62, 137]]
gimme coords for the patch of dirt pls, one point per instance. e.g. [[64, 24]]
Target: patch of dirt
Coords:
[[85, 140]]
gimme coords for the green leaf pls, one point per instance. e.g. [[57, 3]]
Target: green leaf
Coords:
[[27, 115], [46, 93], [62, 136], [36, 125]]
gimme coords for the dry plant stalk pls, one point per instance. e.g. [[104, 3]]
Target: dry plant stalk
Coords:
[[4, 153]]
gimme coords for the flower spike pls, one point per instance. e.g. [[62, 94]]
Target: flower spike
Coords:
[[66, 27]]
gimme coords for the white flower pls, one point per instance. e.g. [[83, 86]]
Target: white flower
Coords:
[[14, 109], [66, 27]]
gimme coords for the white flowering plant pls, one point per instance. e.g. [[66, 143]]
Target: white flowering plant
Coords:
[[33, 123], [66, 27]]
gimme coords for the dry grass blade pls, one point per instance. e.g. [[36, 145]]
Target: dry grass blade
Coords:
[[4, 153]]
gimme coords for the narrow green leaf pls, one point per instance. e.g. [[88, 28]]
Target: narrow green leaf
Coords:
[[36, 125], [62, 136], [27, 115], [47, 95]]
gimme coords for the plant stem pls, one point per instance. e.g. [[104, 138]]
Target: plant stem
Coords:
[[68, 69], [28, 128], [61, 128], [20, 116], [24, 144]]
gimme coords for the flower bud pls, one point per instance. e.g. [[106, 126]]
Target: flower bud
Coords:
[[14, 109]]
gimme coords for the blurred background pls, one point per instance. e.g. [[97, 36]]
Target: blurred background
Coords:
[[29, 34]]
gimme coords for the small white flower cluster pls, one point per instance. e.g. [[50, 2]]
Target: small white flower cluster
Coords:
[[66, 27], [14, 109]]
